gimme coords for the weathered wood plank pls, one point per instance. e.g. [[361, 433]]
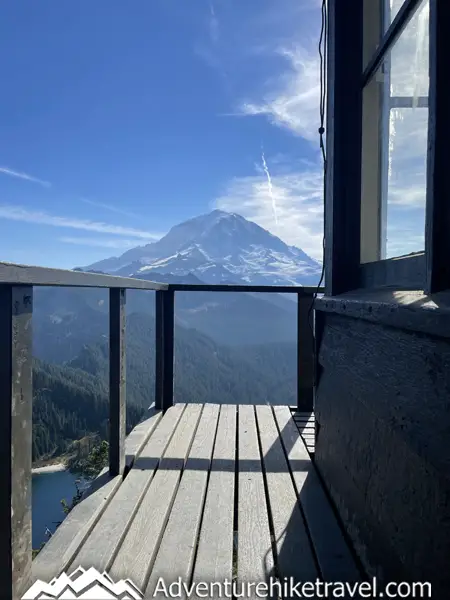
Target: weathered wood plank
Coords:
[[138, 550], [333, 554], [27, 275], [16, 307], [294, 553], [305, 429], [117, 380], [180, 535], [138, 437], [254, 555], [214, 560], [303, 415], [103, 543], [304, 421]]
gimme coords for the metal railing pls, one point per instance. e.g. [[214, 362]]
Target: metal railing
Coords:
[[16, 308]]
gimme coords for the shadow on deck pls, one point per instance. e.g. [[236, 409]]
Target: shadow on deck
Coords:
[[210, 493]]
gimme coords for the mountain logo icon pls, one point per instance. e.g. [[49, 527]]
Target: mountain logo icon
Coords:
[[86, 584]]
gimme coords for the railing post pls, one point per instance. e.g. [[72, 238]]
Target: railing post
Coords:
[[117, 380], [305, 353], [164, 339], [16, 415]]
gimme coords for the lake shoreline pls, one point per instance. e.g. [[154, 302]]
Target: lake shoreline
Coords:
[[55, 468]]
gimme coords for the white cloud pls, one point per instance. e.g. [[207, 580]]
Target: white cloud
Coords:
[[299, 201], [20, 175], [293, 101], [17, 213], [104, 243]]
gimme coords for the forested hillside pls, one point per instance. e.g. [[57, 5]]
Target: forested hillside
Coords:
[[71, 400], [69, 404]]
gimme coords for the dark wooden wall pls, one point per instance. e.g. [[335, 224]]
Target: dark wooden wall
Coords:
[[383, 444]]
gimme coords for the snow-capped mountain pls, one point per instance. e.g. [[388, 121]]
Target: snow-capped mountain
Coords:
[[218, 247]]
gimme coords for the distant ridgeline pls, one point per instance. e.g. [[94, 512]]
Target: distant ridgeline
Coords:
[[71, 399]]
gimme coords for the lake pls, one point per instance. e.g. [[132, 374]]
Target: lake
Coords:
[[48, 491]]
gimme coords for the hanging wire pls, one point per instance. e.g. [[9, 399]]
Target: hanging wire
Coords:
[[322, 109], [321, 131]]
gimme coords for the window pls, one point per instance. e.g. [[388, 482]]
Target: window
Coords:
[[387, 209], [390, 10], [394, 129]]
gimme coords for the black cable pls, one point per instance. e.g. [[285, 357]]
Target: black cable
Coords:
[[322, 108]]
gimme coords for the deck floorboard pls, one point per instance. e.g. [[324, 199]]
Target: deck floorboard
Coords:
[[105, 540], [255, 561], [333, 554], [138, 549], [180, 536], [211, 493], [295, 557], [215, 547]]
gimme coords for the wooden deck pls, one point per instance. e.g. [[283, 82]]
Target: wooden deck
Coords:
[[210, 493]]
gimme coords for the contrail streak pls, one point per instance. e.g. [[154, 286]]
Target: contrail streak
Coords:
[[21, 175], [269, 184]]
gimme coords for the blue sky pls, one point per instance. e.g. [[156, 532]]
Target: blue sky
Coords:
[[121, 119]]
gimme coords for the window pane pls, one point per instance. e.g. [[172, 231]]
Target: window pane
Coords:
[[391, 8], [405, 145], [398, 157]]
